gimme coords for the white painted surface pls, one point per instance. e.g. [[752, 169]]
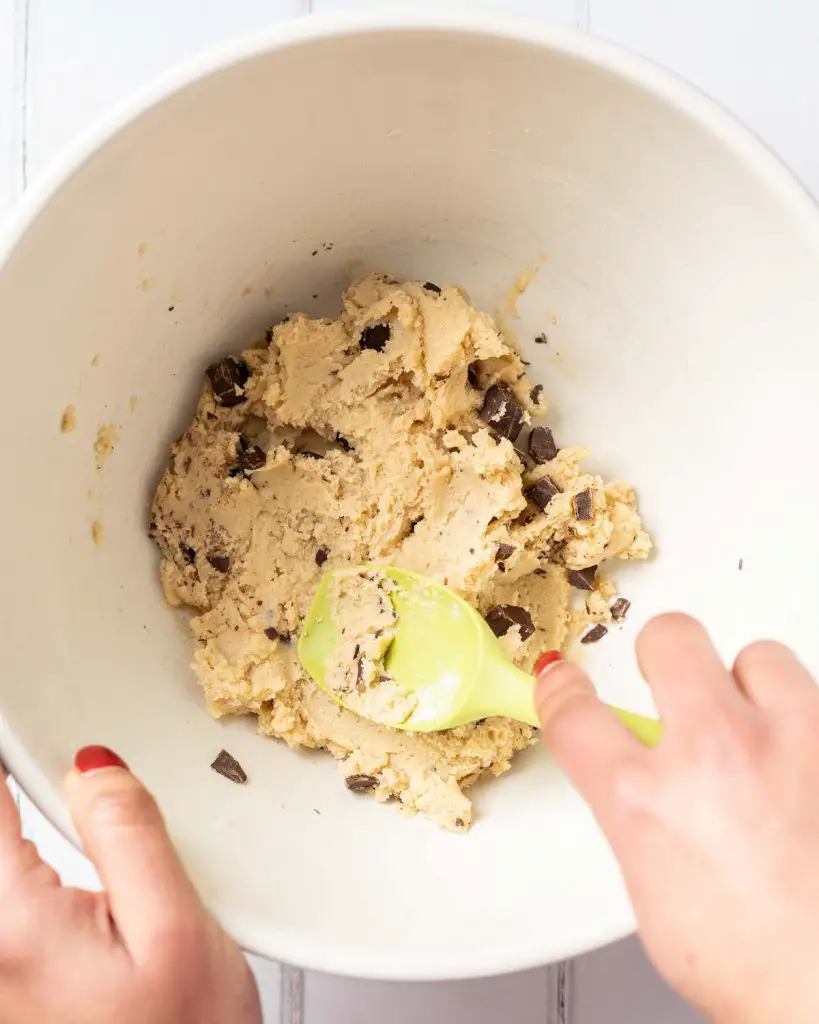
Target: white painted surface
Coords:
[[83, 55]]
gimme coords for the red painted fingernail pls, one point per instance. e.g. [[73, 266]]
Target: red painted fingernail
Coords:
[[546, 659], [91, 759]]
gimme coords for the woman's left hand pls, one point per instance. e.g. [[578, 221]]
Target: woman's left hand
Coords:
[[145, 949]]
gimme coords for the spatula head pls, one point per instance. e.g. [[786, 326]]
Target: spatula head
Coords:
[[437, 652]]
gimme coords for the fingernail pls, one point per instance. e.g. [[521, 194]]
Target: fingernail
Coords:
[[547, 660], [91, 759]]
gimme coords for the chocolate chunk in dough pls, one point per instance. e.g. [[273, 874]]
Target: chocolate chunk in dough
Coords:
[[504, 551], [221, 563], [505, 616], [251, 457], [188, 552], [583, 579], [227, 765], [594, 634], [227, 379], [343, 443], [541, 339], [273, 634], [502, 411], [542, 447], [472, 377], [375, 337], [619, 610], [361, 783], [536, 393], [321, 556], [583, 506], [430, 287], [542, 492]]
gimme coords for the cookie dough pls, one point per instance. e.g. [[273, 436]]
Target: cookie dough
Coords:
[[367, 622], [397, 433]]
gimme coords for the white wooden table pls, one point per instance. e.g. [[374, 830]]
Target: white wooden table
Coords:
[[63, 62]]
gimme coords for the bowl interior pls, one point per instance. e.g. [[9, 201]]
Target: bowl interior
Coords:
[[679, 298]]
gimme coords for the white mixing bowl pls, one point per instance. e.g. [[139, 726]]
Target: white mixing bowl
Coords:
[[681, 301]]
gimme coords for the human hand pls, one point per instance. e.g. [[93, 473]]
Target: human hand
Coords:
[[717, 829], [145, 950]]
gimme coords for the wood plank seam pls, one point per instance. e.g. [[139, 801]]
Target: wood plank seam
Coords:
[[291, 1001], [22, 22]]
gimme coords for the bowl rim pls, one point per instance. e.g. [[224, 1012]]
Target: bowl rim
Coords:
[[794, 198]]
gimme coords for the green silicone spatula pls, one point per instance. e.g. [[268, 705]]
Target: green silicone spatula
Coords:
[[445, 654]]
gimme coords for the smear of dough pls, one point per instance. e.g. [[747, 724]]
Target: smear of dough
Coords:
[[355, 441], [520, 284], [68, 422], [96, 532], [107, 437]]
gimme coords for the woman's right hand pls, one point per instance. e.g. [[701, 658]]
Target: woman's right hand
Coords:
[[717, 829]]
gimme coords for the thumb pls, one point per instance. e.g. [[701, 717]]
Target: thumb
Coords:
[[584, 736], [124, 835]]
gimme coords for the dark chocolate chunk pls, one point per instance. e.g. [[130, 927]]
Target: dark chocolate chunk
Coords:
[[536, 393], [152, 529], [583, 579], [430, 287], [375, 337], [343, 443], [542, 447], [251, 457], [541, 339], [309, 455], [221, 563], [227, 379], [502, 618], [619, 610], [502, 411], [504, 551], [361, 783], [171, 309], [321, 556], [227, 765], [272, 633], [414, 523], [542, 491], [472, 377], [594, 634], [459, 823], [583, 506], [188, 552]]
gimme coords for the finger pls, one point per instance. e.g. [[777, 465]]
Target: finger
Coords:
[[124, 835], [10, 829], [584, 736], [771, 675], [686, 675]]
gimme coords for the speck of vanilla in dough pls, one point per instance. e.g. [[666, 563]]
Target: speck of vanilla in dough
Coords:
[[107, 436], [247, 290], [96, 532], [133, 402], [68, 422]]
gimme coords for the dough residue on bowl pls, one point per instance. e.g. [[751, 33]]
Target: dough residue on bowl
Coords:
[[398, 433]]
